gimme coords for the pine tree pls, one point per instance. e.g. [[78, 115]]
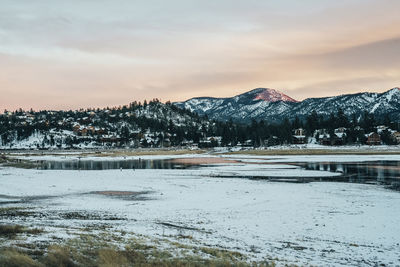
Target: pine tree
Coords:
[[312, 122], [341, 119]]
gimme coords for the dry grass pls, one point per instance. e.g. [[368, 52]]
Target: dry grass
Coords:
[[99, 153], [100, 250], [14, 258], [109, 257], [18, 163], [10, 231], [58, 256], [176, 151]]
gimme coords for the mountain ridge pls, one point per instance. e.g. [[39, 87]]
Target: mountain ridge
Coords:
[[275, 106]]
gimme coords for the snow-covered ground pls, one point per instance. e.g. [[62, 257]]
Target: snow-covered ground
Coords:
[[313, 158], [346, 147], [325, 224], [216, 153]]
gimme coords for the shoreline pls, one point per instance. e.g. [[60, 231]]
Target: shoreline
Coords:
[[269, 151]]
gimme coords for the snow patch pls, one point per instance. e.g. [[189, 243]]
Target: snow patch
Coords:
[[272, 95]]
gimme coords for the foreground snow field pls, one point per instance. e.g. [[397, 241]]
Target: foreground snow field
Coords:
[[320, 223]]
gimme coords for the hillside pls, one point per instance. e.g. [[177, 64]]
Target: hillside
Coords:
[[273, 106], [147, 125]]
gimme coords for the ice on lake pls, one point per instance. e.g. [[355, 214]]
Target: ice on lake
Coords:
[[321, 223]]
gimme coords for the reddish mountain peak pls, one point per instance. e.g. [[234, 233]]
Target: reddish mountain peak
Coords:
[[272, 95]]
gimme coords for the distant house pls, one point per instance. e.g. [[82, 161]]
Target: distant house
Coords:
[[91, 129], [76, 128], [194, 146], [396, 137], [166, 142], [324, 139], [110, 139], [84, 132], [340, 130], [30, 117], [186, 142], [299, 136], [271, 141], [85, 120], [205, 143], [381, 128], [339, 137], [247, 143], [374, 139], [216, 139], [100, 131]]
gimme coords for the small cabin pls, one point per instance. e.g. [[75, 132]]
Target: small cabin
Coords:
[[374, 139], [396, 137], [324, 139], [299, 136]]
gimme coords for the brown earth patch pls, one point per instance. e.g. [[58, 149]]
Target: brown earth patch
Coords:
[[198, 161]]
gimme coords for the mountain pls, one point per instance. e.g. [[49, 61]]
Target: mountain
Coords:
[[273, 106], [155, 124]]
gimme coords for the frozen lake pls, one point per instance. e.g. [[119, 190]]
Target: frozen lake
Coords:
[[381, 171], [329, 223]]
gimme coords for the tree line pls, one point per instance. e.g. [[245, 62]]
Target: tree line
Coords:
[[168, 122]]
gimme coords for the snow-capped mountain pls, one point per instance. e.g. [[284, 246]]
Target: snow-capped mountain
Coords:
[[273, 106]]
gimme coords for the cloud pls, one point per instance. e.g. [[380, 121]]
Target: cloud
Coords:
[[376, 55], [75, 54]]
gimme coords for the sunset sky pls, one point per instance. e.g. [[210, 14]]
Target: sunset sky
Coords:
[[84, 53]]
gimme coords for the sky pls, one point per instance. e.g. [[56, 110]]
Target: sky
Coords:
[[97, 53]]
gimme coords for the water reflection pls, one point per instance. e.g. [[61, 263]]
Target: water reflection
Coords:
[[361, 172], [384, 172], [111, 164]]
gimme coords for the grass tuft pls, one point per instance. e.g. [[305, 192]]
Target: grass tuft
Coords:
[[10, 231], [59, 256], [14, 258], [110, 258]]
